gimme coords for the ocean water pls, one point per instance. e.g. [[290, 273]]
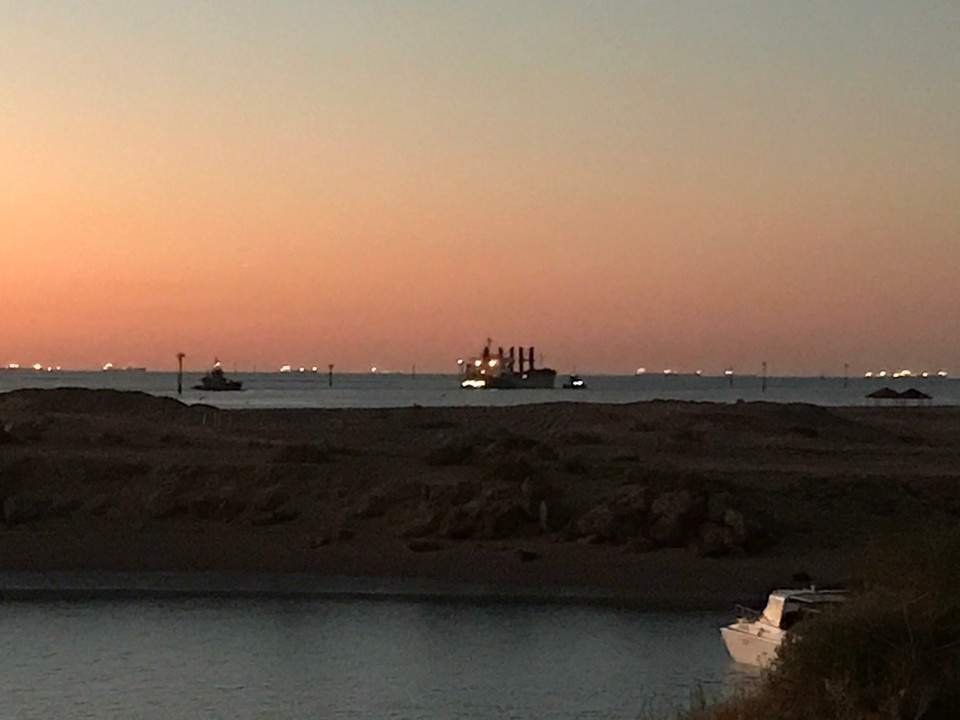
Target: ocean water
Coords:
[[286, 659], [281, 390]]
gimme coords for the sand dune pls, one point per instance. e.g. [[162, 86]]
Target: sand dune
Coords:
[[662, 503]]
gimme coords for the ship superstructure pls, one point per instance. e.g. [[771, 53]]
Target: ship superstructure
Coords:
[[510, 370]]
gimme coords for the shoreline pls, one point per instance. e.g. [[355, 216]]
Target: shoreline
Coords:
[[122, 586], [663, 505]]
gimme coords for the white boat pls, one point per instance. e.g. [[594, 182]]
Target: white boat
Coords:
[[755, 637]]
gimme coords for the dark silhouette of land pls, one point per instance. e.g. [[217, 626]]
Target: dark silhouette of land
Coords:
[[666, 504]]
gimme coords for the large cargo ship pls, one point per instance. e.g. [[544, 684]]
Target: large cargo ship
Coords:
[[512, 370]]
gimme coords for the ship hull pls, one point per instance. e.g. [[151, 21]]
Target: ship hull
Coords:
[[543, 379]]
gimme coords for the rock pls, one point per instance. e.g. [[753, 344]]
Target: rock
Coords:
[[717, 505], [64, 507], [6, 435], [515, 468], [372, 505], [22, 431], [502, 520], [714, 540], [274, 517], [445, 495], [602, 524], [271, 499], [20, 509], [425, 545], [459, 524], [98, 504], [734, 520], [535, 489], [204, 507], [676, 515], [328, 536], [385, 497], [302, 454], [638, 545], [452, 451], [164, 504], [427, 522], [617, 520], [229, 509]]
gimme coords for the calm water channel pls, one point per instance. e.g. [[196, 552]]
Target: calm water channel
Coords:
[[355, 658]]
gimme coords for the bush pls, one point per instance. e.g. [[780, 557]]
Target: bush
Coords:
[[891, 653]]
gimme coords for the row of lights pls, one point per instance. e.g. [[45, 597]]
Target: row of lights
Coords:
[[904, 373], [38, 367], [493, 363]]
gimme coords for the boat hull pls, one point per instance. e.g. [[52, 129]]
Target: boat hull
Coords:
[[542, 379], [751, 648]]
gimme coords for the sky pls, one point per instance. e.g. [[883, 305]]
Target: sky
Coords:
[[681, 184]]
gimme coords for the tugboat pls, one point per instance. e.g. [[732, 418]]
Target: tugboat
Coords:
[[216, 381], [505, 371], [575, 383]]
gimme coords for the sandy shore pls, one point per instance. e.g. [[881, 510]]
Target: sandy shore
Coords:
[[663, 504]]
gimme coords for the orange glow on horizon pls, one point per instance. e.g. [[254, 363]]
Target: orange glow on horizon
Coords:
[[651, 187]]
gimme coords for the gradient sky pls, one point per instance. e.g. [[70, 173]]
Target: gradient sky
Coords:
[[679, 184]]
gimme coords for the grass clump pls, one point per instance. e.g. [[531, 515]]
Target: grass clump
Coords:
[[891, 653]]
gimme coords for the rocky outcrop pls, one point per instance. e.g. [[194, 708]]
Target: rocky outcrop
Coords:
[[21, 509], [707, 523], [466, 510], [455, 450]]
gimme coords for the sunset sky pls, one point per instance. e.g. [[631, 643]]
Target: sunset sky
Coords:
[[681, 184]]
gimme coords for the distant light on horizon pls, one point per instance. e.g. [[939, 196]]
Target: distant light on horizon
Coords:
[[285, 368], [641, 371]]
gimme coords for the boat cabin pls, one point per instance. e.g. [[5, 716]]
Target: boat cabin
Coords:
[[786, 607]]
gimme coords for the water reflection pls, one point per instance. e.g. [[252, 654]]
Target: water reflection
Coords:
[[351, 659]]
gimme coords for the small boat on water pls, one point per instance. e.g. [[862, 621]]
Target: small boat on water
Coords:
[[216, 381], [505, 371], [755, 637], [575, 383]]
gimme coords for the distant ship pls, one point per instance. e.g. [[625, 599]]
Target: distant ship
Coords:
[[574, 383], [110, 367], [505, 371], [216, 381]]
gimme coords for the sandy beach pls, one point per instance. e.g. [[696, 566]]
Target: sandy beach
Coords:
[[661, 504]]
